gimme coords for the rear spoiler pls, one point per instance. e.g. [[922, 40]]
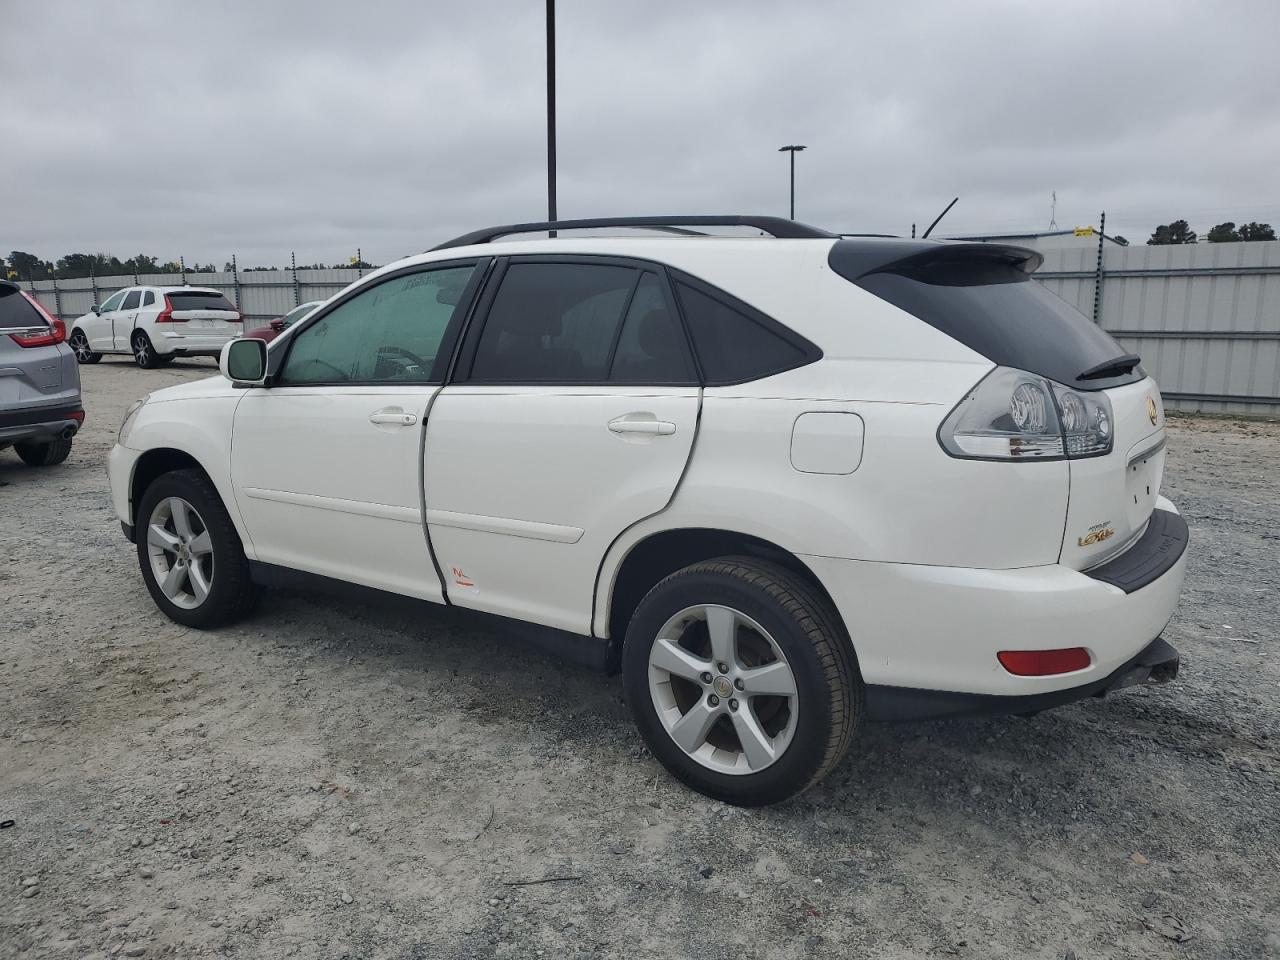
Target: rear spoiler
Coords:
[[854, 259]]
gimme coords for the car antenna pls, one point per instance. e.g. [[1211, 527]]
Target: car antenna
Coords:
[[925, 235]]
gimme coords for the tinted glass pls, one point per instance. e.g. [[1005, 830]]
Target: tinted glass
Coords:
[[112, 302], [198, 300], [553, 323], [131, 300], [15, 311], [1000, 312], [652, 347], [731, 346], [389, 333], [148, 298]]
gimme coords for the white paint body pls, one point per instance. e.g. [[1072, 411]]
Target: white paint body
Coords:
[[532, 501], [193, 332]]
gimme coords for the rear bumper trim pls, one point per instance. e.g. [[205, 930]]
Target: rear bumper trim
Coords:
[[1156, 663], [1156, 551]]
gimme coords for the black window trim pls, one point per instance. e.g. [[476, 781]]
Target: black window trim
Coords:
[[810, 351], [448, 343], [460, 373]]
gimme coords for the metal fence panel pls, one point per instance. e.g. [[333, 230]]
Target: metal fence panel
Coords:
[[1204, 317]]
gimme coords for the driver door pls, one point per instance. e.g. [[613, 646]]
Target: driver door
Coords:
[[326, 462], [97, 328]]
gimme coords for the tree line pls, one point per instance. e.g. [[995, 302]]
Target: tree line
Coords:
[[1180, 232], [20, 265]]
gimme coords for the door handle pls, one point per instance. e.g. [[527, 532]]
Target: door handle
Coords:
[[656, 428], [397, 418]]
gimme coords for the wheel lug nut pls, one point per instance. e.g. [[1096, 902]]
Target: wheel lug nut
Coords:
[[739, 684], [733, 704], [722, 667], [713, 700], [706, 678]]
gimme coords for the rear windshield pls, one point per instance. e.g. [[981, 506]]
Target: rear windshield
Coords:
[[196, 300], [15, 311], [998, 310]]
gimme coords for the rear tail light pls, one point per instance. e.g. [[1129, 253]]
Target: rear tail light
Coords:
[[1014, 415], [166, 315], [38, 336], [1044, 663]]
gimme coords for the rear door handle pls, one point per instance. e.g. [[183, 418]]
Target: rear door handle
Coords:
[[393, 416], [657, 428]]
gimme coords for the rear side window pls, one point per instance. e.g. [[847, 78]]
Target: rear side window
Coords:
[[553, 323], [997, 310], [131, 300], [199, 300], [148, 298], [732, 345], [651, 347], [15, 311]]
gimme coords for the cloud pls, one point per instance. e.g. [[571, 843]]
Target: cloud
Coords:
[[260, 129]]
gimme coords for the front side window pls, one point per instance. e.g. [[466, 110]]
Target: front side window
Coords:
[[387, 333], [131, 300], [296, 314], [112, 302]]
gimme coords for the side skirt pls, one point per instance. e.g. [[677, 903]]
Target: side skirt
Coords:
[[589, 652]]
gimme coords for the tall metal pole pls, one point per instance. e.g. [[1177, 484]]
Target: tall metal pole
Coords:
[[792, 149], [551, 112]]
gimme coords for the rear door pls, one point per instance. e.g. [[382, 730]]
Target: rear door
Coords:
[[125, 319], [205, 312], [571, 417]]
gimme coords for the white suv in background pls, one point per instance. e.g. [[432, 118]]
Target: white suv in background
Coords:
[[783, 484], [157, 324]]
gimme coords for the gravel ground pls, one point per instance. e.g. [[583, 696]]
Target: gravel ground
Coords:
[[334, 779]]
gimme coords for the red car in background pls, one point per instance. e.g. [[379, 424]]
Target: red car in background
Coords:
[[281, 324]]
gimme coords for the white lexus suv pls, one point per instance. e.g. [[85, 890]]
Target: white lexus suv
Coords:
[[156, 325], [784, 484]]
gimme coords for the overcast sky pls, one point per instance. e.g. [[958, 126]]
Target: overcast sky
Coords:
[[211, 128]]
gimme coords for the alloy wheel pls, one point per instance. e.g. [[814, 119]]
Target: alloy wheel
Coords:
[[181, 552], [81, 347], [722, 689], [141, 351]]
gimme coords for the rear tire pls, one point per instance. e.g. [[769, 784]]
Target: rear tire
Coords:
[[785, 643], [44, 454], [79, 343], [185, 536], [144, 354]]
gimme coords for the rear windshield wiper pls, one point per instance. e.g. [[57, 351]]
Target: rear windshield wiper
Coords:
[[1111, 368]]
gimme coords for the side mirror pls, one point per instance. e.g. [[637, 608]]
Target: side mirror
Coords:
[[96, 309], [244, 362]]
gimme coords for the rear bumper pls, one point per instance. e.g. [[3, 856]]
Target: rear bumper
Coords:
[[40, 423], [191, 345], [937, 630], [1156, 663]]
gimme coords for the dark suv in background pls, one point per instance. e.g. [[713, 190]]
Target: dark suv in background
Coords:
[[40, 406]]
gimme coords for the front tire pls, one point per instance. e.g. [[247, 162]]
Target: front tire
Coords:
[[742, 680], [144, 354], [190, 554], [44, 454], [79, 344]]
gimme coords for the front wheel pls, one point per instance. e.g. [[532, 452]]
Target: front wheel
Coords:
[[741, 680], [79, 344], [190, 554], [144, 354]]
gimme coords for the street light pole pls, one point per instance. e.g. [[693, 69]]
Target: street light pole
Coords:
[[792, 149], [551, 111]]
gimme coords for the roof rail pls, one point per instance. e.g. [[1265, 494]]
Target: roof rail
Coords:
[[775, 226]]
